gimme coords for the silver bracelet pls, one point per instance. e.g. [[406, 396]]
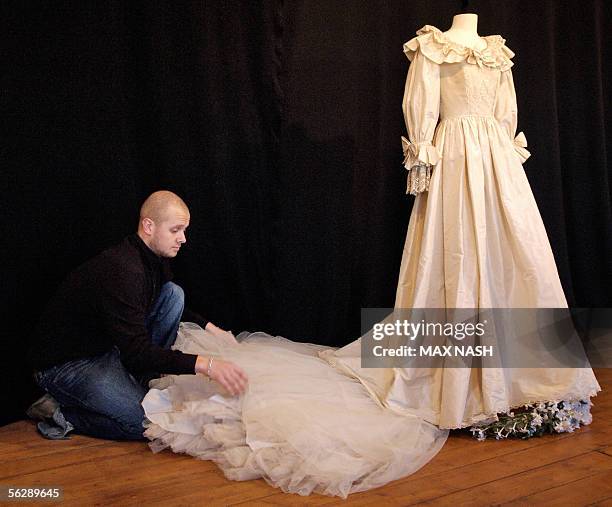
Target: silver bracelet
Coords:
[[209, 369]]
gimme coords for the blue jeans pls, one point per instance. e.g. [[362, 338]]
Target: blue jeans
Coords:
[[97, 395]]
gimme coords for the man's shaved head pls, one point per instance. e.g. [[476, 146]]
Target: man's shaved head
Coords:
[[164, 218], [158, 204]]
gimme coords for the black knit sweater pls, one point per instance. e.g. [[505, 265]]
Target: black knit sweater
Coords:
[[105, 302]]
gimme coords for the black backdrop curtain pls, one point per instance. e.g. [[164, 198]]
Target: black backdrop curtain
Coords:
[[279, 123]]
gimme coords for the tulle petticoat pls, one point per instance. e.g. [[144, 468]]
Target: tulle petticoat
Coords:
[[302, 425]]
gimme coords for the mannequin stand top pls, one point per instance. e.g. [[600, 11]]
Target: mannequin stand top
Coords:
[[463, 31]]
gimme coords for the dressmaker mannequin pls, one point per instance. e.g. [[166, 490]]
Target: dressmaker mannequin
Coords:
[[463, 32]]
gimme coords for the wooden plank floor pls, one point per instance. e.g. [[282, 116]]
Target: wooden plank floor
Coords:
[[568, 469]]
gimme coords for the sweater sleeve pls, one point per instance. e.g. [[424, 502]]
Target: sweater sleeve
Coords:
[[123, 311]]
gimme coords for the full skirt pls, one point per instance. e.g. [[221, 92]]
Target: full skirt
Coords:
[[475, 240]]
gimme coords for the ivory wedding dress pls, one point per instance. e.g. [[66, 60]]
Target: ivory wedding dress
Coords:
[[475, 237]]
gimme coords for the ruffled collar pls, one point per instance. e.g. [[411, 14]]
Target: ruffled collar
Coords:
[[434, 44]]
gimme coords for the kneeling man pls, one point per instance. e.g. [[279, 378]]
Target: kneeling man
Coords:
[[110, 326]]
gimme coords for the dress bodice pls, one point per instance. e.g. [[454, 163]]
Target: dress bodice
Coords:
[[467, 90], [469, 78], [449, 82]]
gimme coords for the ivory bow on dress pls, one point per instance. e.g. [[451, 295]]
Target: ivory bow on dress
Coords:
[[419, 160], [520, 143], [423, 153]]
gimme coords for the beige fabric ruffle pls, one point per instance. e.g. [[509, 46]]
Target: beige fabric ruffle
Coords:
[[433, 44]]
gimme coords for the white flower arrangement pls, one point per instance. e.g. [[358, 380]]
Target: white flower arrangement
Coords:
[[537, 419]]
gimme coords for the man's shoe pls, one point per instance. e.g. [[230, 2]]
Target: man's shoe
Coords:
[[43, 408]]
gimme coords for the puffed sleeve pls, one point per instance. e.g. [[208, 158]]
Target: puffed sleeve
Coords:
[[421, 107], [506, 113]]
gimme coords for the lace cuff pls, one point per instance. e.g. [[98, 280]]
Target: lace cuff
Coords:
[[520, 143], [419, 160], [418, 179]]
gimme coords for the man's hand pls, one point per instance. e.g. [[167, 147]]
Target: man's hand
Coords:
[[221, 334], [228, 374]]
